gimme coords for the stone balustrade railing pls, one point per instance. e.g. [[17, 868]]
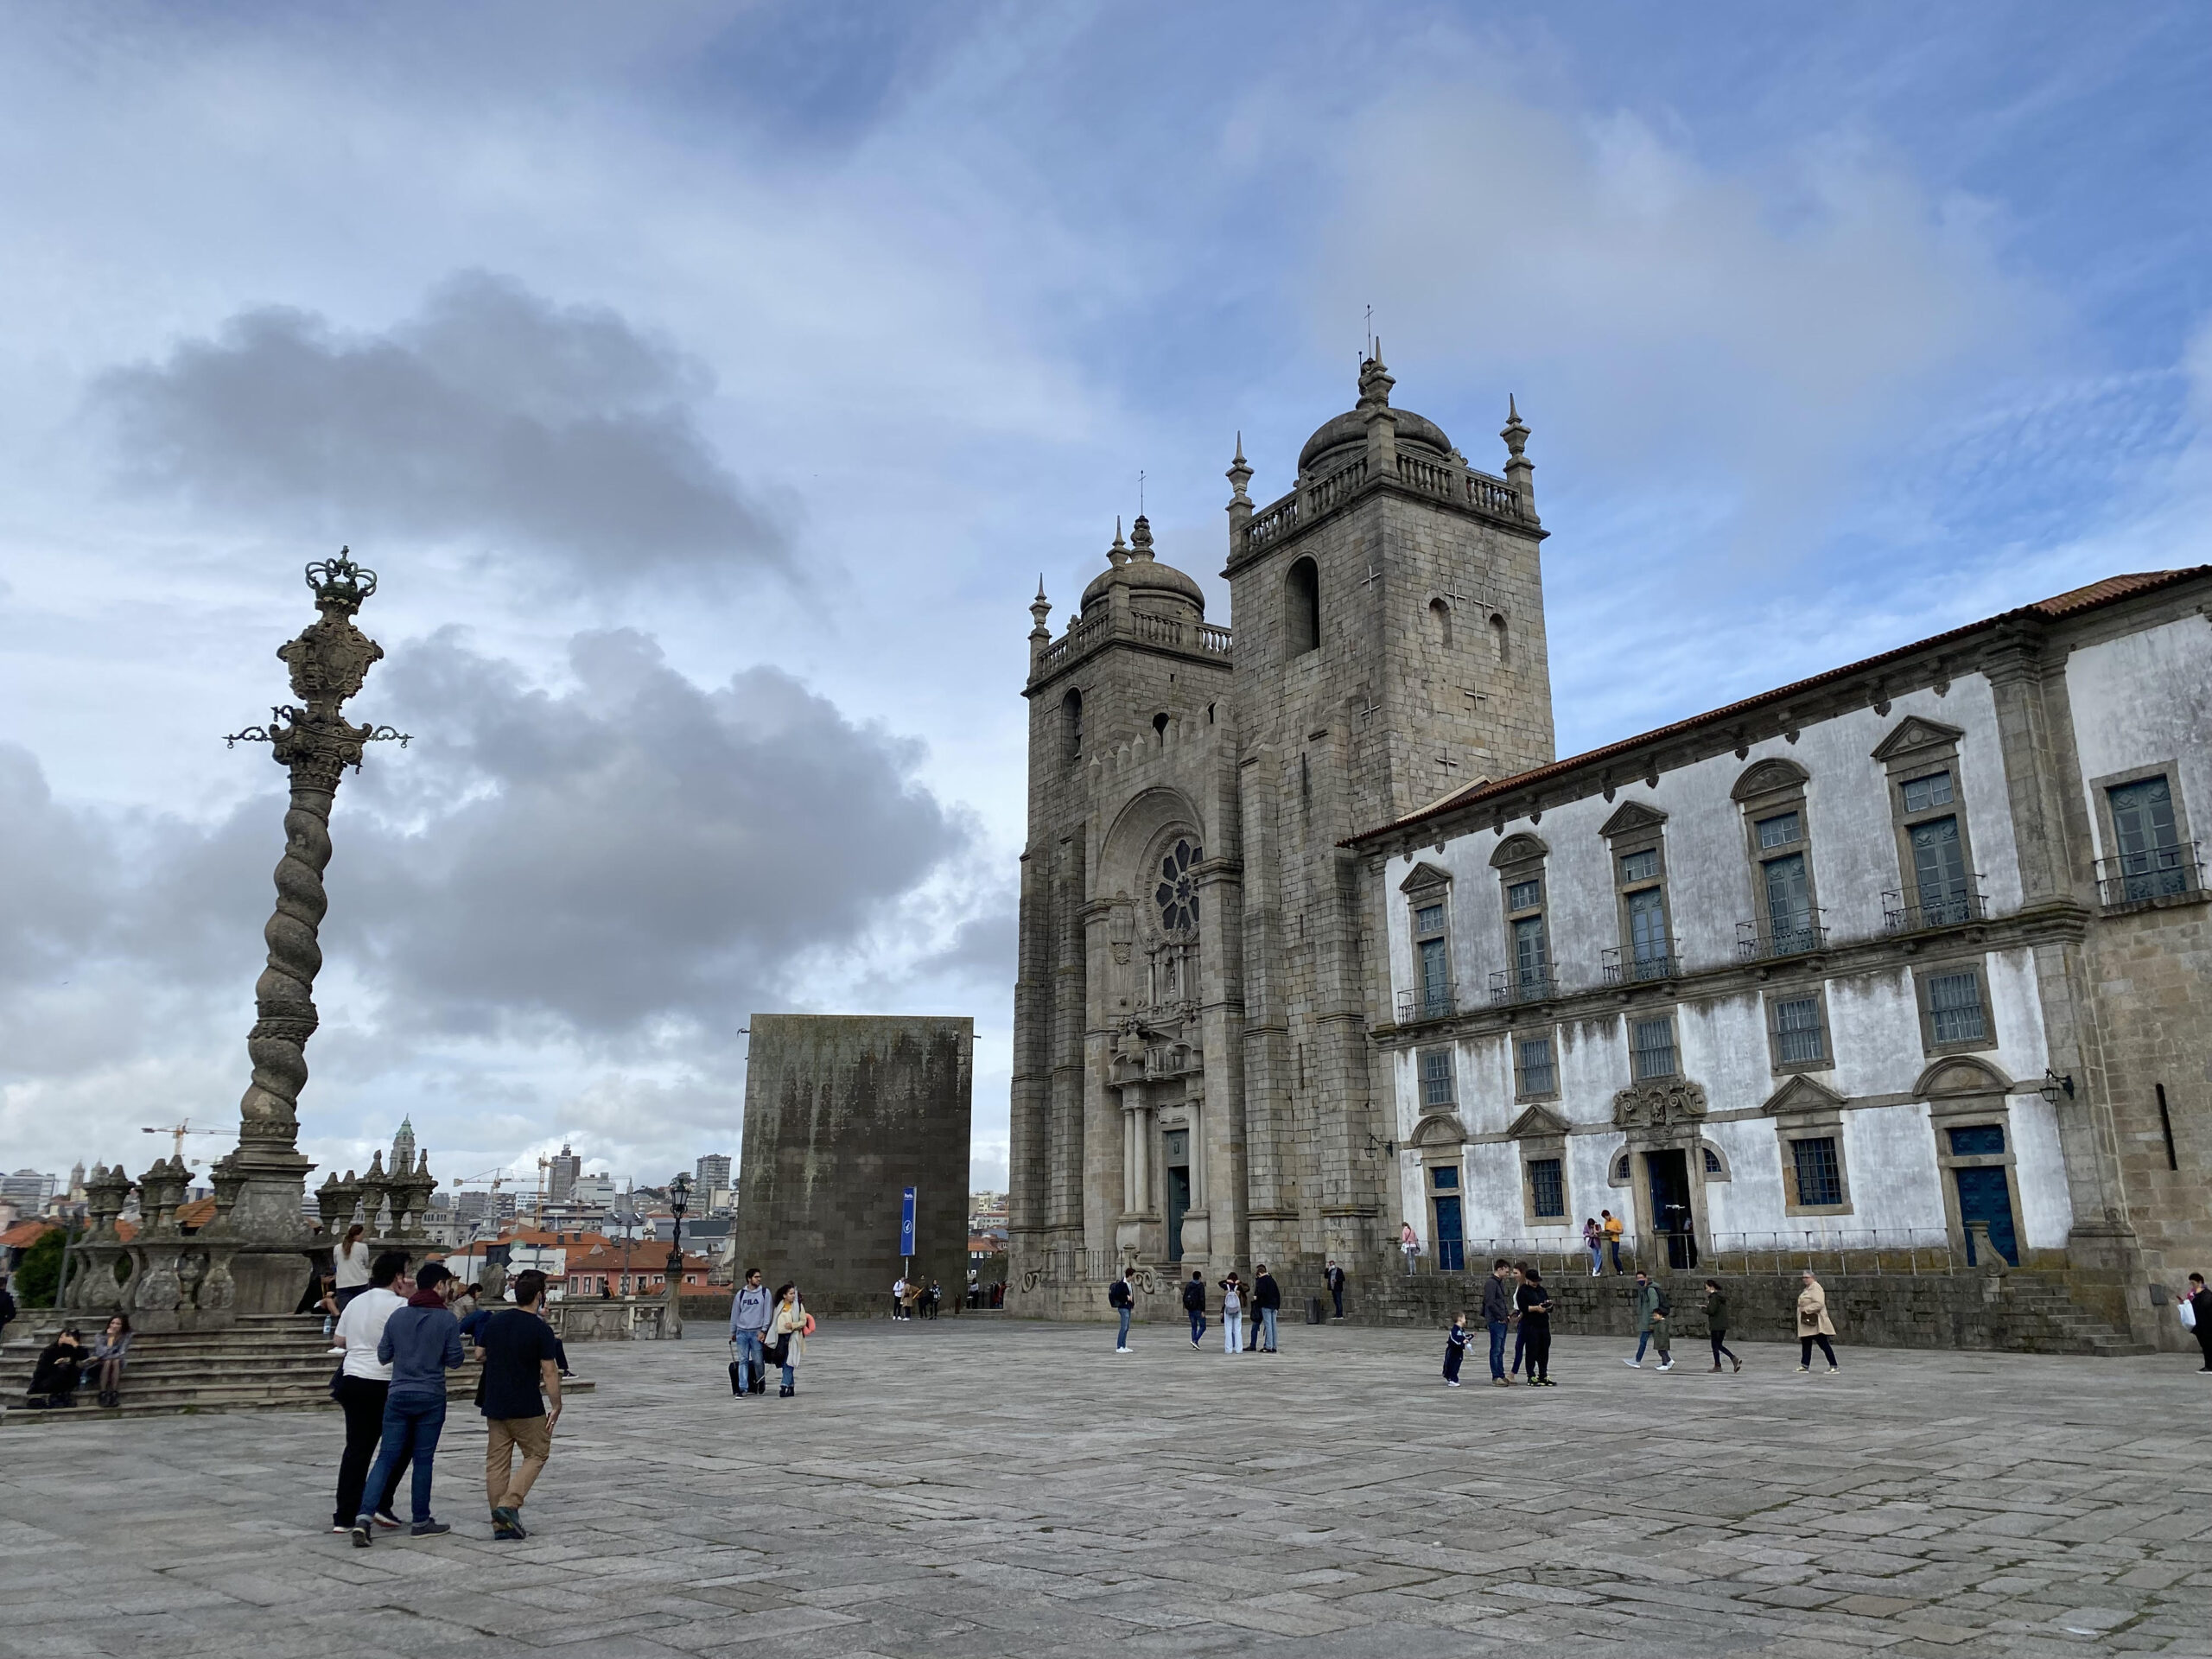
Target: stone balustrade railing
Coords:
[[1444, 480], [1087, 634]]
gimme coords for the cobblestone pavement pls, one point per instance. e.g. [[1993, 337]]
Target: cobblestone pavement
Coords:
[[974, 1487]]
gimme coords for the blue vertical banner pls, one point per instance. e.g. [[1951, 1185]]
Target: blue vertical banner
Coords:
[[906, 1224]]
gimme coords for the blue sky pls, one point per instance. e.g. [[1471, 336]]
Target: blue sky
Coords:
[[711, 385]]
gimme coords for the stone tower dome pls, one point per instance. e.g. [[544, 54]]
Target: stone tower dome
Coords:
[[1153, 588]]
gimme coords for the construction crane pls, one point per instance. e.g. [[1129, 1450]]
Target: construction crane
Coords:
[[176, 1132]]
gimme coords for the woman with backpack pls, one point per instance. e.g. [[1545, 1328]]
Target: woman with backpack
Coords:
[[791, 1328]]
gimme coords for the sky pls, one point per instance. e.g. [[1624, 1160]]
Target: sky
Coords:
[[711, 386]]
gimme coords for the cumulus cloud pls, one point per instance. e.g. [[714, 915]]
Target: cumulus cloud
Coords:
[[636, 846], [493, 418]]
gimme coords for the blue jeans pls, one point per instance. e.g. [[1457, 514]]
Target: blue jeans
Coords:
[[790, 1377], [1198, 1325], [1123, 1340], [1497, 1328], [1267, 1329], [1643, 1341], [749, 1364], [1232, 1333], [1597, 1259], [412, 1423]]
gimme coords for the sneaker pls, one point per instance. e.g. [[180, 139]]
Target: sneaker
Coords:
[[1535, 1382], [1665, 1365], [428, 1529], [387, 1520], [1802, 1370], [1121, 1350], [1832, 1370], [1739, 1363], [1633, 1364], [507, 1523], [360, 1531], [1451, 1383], [341, 1526], [333, 1353], [1500, 1382], [1549, 1384]]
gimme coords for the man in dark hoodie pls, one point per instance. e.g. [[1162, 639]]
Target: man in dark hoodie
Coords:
[[421, 1343], [1267, 1296]]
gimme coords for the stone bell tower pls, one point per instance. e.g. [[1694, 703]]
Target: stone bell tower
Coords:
[[1390, 650]]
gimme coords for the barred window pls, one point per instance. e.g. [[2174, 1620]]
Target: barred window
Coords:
[[1539, 1076], [1798, 1030], [1436, 1077], [1546, 1187], [1652, 1049], [1955, 1013], [1819, 1177], [1712, 1161]]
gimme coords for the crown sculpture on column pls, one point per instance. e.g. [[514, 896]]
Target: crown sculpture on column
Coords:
[[314, 742]]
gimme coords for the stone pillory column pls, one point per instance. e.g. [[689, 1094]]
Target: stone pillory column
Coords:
[[315, 743]]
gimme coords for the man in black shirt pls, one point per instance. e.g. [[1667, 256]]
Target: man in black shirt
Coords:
[[1267, 1296], [521, 1358]]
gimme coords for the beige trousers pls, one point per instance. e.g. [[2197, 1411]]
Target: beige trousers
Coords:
[[533, 1437]]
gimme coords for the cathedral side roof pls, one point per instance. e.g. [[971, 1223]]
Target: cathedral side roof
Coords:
[[2073, 602]]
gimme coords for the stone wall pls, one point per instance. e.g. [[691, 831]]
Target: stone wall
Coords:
[[842, 1112]]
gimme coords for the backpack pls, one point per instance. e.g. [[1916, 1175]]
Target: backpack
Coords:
[[1665, 1306], [1119, 1296], [1194, 1296]]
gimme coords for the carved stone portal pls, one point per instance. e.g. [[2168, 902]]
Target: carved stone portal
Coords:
[[1664, 1102]]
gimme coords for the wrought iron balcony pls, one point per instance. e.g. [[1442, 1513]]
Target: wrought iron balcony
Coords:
[[1522, 985], [1755, 943], [2158, 873], [1429, 1003], [1627, 967], [1909, 910]]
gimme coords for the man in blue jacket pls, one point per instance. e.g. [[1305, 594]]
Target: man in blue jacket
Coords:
[[421, 1343]]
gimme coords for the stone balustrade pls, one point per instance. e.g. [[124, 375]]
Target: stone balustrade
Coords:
[[1086, 634]]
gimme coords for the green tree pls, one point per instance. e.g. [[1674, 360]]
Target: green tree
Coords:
[[38, 1275]]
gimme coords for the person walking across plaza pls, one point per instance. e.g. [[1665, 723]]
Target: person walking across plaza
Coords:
[[791, 1326], [1812, 1324], [1716, 1324], [521, 1401], [1594, 1240], [421, 1343], [1194, 1304], [1497, 1317], [1232, 1315], [352, 1266], [1649, 1303], [1455, 1349], [1267, 1297], [750, 1311], [361, 1387], [1535, 1304], [1610, 1225], [1123, 1301], [2197, 1305], [1333, 1277]]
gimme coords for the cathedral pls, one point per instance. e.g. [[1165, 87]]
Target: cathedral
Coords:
[[1909, 963]]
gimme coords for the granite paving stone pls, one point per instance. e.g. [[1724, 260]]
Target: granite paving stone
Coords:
[[981, 1487]]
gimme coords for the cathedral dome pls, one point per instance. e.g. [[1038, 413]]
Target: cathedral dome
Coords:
[[1136, 570], [1350, 428]]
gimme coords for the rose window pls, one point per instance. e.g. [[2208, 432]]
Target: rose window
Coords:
[[1177, 895]]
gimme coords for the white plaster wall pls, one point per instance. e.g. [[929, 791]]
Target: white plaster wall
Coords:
[[2046, 1209], [2142, 700], [1891, 1155]]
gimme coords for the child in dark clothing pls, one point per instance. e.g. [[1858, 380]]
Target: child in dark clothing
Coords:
[[1455, 1349]]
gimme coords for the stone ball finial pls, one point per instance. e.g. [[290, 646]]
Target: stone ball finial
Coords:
[[1141, 538]]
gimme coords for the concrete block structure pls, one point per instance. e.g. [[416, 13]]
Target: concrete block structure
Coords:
[[842, 1113], [1907, 963]]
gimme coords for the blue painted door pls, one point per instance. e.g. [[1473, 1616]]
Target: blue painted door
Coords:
[[1983, 1196], [1451, 1244]]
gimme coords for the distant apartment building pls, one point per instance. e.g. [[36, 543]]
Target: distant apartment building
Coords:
[[562, 1171], [711, 1173]]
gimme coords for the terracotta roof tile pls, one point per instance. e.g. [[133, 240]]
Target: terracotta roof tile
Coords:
[[2072, 603], [24, 1234]]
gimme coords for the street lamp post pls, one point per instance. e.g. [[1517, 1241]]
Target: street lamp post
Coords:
[[680, 1200]]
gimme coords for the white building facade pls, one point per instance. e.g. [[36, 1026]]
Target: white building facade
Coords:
[[1911, 956]]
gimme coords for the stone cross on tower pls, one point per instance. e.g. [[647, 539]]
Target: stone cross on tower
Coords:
[[315, 743]]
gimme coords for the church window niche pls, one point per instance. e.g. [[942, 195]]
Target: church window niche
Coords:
[[1071, 725], [1172, 968], [1500, 646], [1160, 729], [1302, 607], [1439, 616]]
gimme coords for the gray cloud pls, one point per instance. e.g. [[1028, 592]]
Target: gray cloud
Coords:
[[492, 417], [635, 848]]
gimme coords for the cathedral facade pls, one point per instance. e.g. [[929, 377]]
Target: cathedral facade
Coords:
[[1195, 1081], [1909, 962]]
